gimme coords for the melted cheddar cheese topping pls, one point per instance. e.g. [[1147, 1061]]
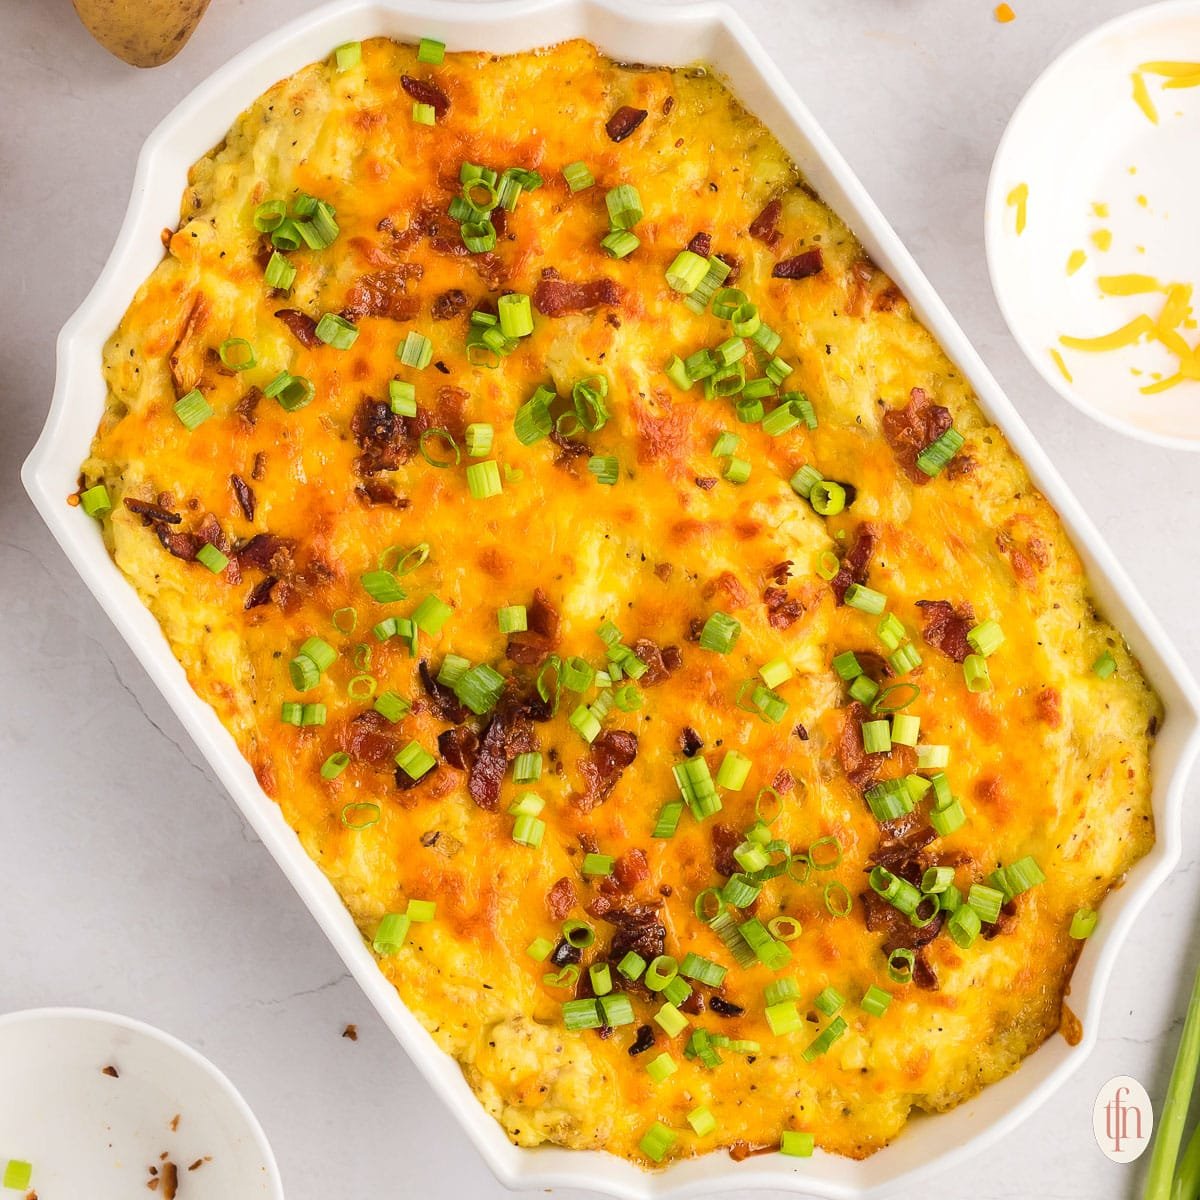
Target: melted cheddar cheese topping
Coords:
[[1050, 763]]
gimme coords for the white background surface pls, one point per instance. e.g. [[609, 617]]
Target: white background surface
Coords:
[[128, 881]]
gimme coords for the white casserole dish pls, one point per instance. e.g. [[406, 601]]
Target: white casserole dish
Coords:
[[712, 34]]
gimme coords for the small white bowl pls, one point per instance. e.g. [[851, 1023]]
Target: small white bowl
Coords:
[[99, 1134], [1078, 140]]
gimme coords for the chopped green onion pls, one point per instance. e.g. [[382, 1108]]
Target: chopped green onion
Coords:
[[605, 468], [686, 272], [671, 1020], [269, 215], [825, 1039], [625, 208], [876, 737], [821, 862], [702, 1121], [291, 713], [479, 689], [900, 965], [829, 1001], [846, 665], [976, 674], [875, 1001], [661, 1068], [600, 976], [348, 55], [759, 389], [932, 758], [827, 498], [720, 633], [963, 926], [360, 815], [865, 599], [668, 818], [905, 729], [582, 1014], [986, 901], [578, 177], [483, 480], [796, 1143], [1105, 666], [737, 470], [660, 972], [421, 911], [286, 235], [415, 351], [293, 392], [734, 771], [391, 706], [528, 831], [598, 864], [192, 410], [657, 1141], [539, 949], [527, 768], [391, 934], [430, 50], [516, 316], [906, 658], [837, 898], [423, 114], [431, 615], [415, 761], [619, 243], [1083, 923], [478, 236], [95, 501], [616, 1009], [933, 459], [702, 970], [532, 421], [584, 722], [383, 587], [986, 638], [280, 273], [718, 271], [237, 354], [336, 331], [212, 558]]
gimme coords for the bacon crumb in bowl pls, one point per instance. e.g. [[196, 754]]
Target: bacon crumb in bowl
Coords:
[[164, 1105]]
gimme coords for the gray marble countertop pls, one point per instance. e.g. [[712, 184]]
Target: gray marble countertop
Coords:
[[131, 883]]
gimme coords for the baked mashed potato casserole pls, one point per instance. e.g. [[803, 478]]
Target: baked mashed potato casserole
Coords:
[[699, 710]]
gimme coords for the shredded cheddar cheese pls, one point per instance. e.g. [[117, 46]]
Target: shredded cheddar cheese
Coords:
[[668, 580], [1017, 200]]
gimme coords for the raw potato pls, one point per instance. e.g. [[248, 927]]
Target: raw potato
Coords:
[[145, 33]]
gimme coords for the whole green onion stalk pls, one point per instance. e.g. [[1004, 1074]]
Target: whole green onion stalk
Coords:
[[1161, 1182]]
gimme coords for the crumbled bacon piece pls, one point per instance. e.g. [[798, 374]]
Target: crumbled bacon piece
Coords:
[[910, 429], [799, 266], [449, 304], [381, 294], [530, 645], [260, 593], [607, 759], [1049, 707], [638, 927], [508, 734], [375, 492], [245, 495], [384, 437], [623, 122], [424, 91], [371, 738], [267, 552], [946, 627], [765, 227], [442, 700], [631, 869], [725, 839], [561, 898], [247, 406], [151, 512], [458, 746], [303, 327], [859, 767], [701, 244], [554, 297], [690, 742], [655, 660], [857, 560], [782, 610]]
